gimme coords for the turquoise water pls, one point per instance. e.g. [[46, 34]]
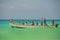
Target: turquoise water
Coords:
[[29, 21], [8, 33]]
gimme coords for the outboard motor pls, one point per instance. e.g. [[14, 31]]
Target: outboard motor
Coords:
[[56, 25]]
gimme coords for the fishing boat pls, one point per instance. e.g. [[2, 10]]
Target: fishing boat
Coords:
[[13, 25]]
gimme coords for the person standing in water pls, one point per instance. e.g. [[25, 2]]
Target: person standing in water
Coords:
[[53, 22], [41, 21], [22, 23], [45, 22], [56, 25]]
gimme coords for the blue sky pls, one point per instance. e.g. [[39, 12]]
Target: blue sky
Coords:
[[29, 9]]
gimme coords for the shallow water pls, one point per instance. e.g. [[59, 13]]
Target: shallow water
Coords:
[[8, 33]]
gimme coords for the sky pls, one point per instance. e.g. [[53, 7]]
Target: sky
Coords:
[[29, 9]]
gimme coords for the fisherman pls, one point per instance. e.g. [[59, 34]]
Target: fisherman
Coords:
[[41, 21], [32, 23], [53, 22], [23, 23], [45, 22], [11, 21]]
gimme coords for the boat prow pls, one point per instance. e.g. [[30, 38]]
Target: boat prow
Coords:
[[17, 26]]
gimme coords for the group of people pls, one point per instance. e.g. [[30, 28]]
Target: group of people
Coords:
[[43, 22]]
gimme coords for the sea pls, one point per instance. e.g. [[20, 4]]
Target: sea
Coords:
[[4, 23], [9, 33]]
